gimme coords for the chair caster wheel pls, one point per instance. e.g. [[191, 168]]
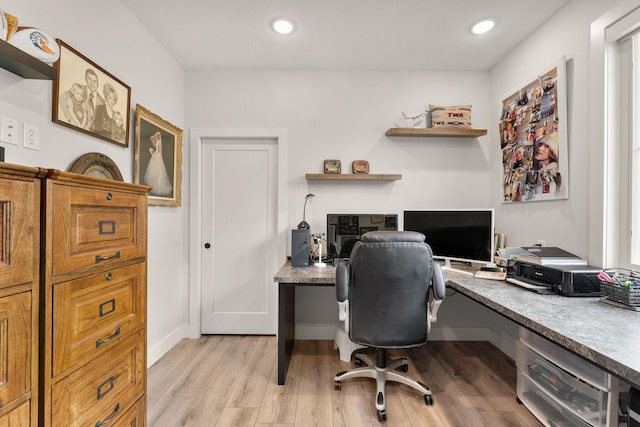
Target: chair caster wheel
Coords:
[[403, 368], [337, 385], [357, 363], [428, 399], [382, 415]]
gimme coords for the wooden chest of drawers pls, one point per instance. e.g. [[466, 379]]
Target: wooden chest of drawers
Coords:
[[94, 284], [19, 260]]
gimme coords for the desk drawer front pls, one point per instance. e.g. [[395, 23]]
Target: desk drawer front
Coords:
[[572, 363], [21, 416], [94, 227], [558, 385], [102, 390], [15, 347], [18, 231], [92, 314], [544, 407], [134, 417]]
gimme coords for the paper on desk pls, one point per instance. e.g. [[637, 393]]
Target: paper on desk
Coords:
[[511, 252]]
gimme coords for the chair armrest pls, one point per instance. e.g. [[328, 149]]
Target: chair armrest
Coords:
[[343, 311], [437, 282], [438, 293], [432, 313], [342, 281]]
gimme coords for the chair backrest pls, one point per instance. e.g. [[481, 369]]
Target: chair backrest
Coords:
[[347, 247], [389, 277]]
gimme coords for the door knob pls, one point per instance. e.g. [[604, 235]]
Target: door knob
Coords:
[[207, 245]]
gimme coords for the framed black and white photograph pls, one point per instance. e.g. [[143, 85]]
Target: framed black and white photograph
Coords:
[[158, 158], [89, 99]]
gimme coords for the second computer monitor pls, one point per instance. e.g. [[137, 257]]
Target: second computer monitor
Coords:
[[343, 230]]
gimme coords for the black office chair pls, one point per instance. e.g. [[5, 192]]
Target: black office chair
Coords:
[[383, 294]]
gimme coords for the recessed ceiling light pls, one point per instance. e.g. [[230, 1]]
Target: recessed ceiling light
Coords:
[[483, 26], [283, 25]]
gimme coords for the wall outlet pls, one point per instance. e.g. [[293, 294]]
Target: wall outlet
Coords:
[[9, 130], [31, 137]]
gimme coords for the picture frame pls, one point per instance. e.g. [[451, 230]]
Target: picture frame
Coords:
[[360, 166], [158, 157], [332, 166], [98, 165], [533, 138], [88, 99]]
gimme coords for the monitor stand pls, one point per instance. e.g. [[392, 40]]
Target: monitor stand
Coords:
[[447, 267]]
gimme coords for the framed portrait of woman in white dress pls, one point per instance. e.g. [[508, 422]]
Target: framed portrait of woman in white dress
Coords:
[[158, 158]]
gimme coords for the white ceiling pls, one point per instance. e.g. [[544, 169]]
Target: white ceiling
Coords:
[[341, 34]]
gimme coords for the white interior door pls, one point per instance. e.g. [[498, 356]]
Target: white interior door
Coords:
[[239, 213]]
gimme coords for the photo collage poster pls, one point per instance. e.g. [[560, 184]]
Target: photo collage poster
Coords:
[[534, 154]]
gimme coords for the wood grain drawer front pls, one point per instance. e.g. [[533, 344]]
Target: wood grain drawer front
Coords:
[[19, 417], [95, 227], [18, 231], [92, 314], [15, 347], [134, 417], [104, 389]]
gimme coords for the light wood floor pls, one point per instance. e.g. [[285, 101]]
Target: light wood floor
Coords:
[[231, 380]]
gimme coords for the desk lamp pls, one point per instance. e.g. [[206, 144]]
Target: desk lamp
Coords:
[[304, 224]]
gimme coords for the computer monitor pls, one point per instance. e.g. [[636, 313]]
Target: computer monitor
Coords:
[[456, 234], [343, 229]]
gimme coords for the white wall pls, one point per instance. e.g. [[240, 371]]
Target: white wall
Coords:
[[109, 35], [337, 114], [563, 223], [331, 114], [340, 114]]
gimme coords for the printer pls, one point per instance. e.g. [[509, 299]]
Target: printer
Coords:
[[568, 280]]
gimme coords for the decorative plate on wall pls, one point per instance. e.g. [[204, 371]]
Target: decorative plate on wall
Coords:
[[97, 165]]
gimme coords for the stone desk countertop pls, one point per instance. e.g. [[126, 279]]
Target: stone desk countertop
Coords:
[[606, 335], [312, 275]]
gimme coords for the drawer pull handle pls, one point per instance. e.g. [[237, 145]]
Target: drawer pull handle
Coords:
[[110, 417], [109, 196], [106, 340], [108, 384], [107, 307], [104, 258], [108, 276]]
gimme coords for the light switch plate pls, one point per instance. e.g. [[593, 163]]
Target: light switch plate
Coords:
[[9, 130]]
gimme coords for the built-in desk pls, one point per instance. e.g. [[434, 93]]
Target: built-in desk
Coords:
[[605, 335]]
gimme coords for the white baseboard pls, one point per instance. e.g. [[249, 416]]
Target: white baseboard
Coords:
[[312, 331], [506, 344], [157, 351]]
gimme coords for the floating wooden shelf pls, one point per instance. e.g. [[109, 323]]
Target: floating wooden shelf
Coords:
[[446, 132], [24, 65], [353, 177]]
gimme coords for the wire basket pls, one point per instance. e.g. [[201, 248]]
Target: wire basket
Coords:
[[622, 287]]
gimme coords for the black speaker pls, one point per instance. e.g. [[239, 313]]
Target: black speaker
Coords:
[[300, 248]]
